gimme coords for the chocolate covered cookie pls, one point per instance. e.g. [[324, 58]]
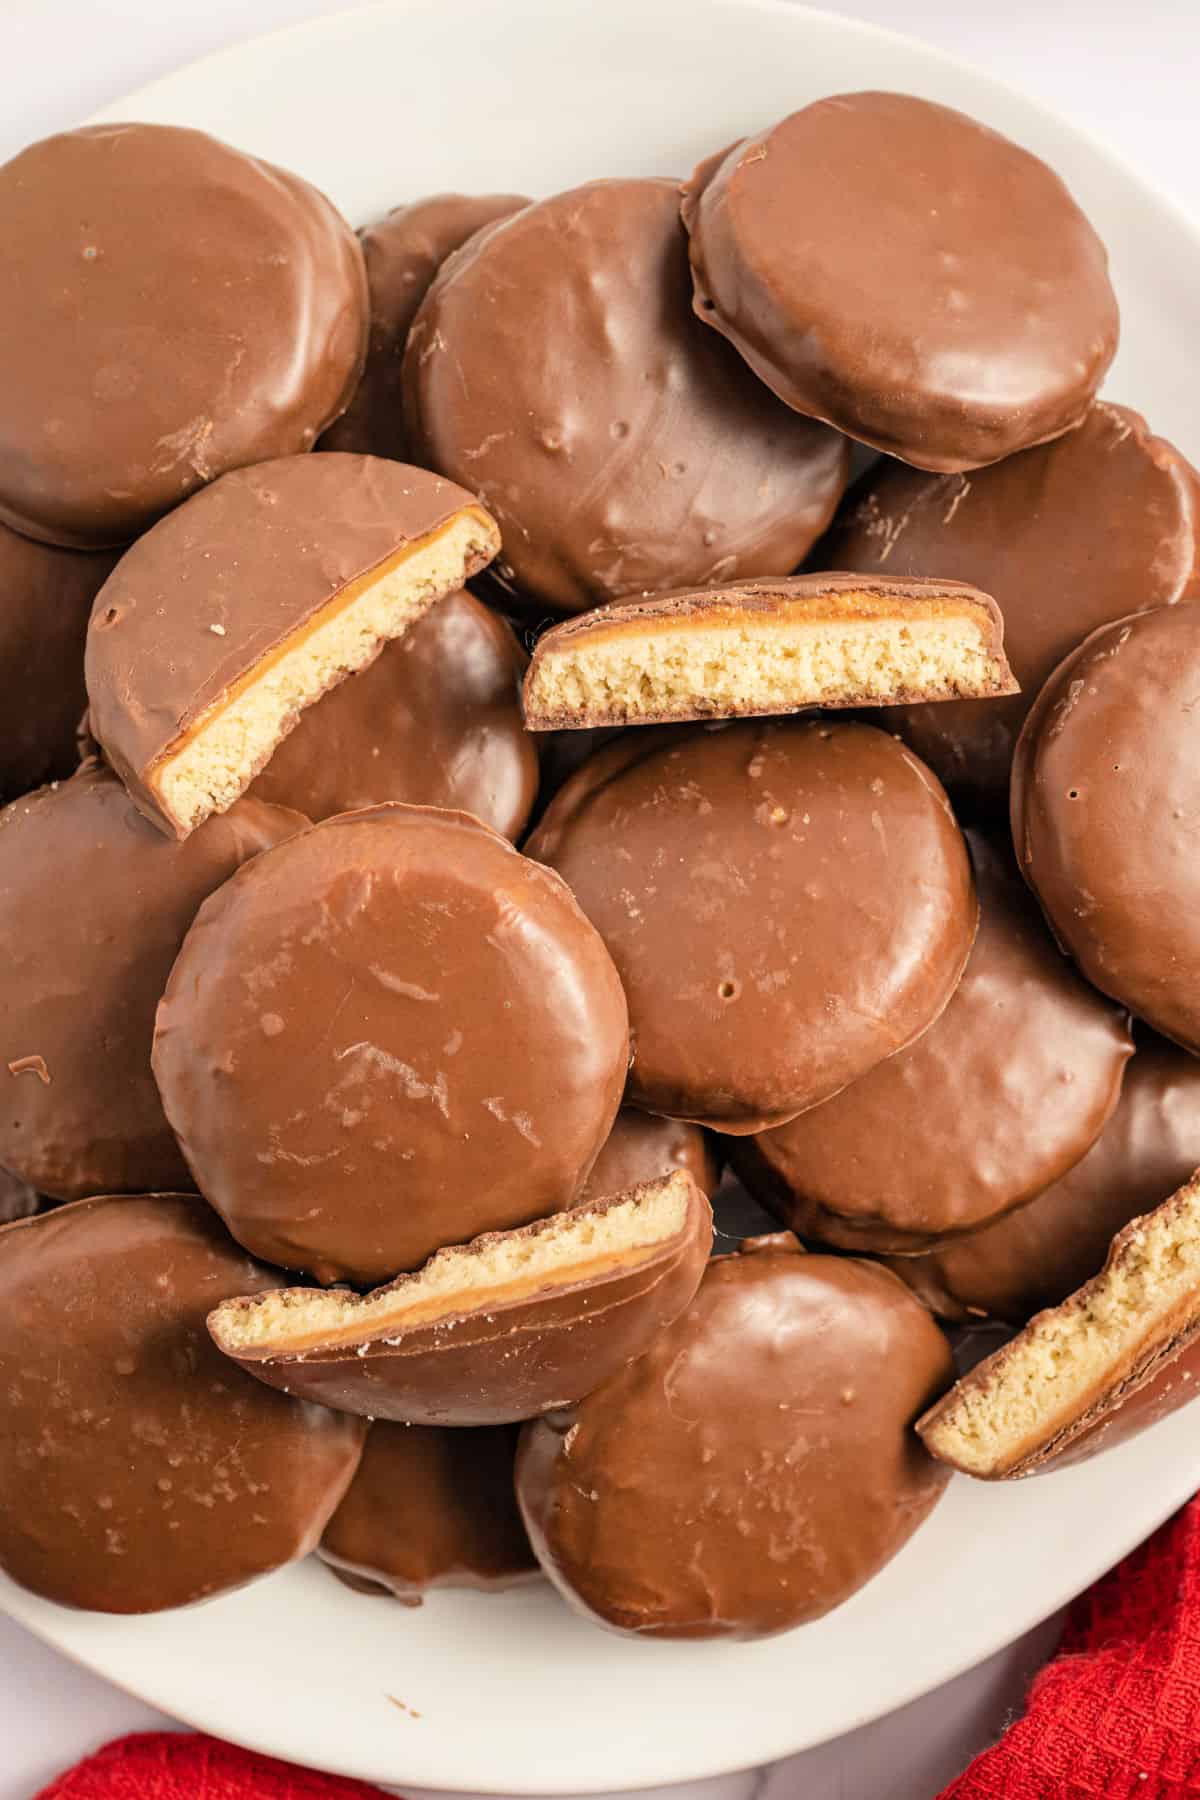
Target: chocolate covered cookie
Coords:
[[403, 252], [787, 904], [555, 368], [1001, 1096], [222, 625], [17, 1199], [430, 1509], [762, 647], [434, 720], [641, 1148], [756, 1466], [1117, 1355], [504, 1328], [94, 904], [894, 267], [138, 1469], [1066, 537], [1036, 1256], [393, 1035], [46, 599], [172, 309], [1105, 791]]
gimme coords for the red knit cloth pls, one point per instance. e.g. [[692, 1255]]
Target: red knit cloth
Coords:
[[1115, 1716]]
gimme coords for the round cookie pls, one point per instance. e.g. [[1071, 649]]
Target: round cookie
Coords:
[[177, 309], [430, 1509], [434, 720], [1065, 537], [394, 1034], [17, 1199], [641, 1148], [138, 1469], [756, 1466], [897, 269], [787, 904], [46, 599], [1035, 1257], [1105, 791], [1000, 1097], [94, 904], [403, 252], [556, 369]]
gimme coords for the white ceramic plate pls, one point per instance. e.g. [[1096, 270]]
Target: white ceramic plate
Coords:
[[513, 1693]]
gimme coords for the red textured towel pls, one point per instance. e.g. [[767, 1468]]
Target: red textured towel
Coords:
[[1115, 1716]]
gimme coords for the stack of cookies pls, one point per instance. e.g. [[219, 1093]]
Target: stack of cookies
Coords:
[[490, 811]]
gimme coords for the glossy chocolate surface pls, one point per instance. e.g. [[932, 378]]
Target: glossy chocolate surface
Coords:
[[896, 268], [1036, 1256], [641, 1147], [787, 904], [542, 1347], [556, 368], [756, 1466], [395, 1035], [434, 720], [403, 252], [1000, 1097], [430, 1509], [1105, 791], [211, 592], [46, 599], [176, 309], [138, 1469], [94, 904], [1071, 535]]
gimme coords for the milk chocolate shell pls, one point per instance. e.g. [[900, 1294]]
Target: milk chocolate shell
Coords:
[[176, 309], [1036, 1256], [1000, 1097], [1117, 1355], [45, 601], [395, 1034], [1105, 791], [220, 626], [504, 1328], [898, 269], [17, 1199], [1066, 537], [94, 904], [403, 252], [761, 647], [430, 1509], [138, 1469], [787, 904], [555, 368], [434, 720], [642, 1148], [756, 1466]]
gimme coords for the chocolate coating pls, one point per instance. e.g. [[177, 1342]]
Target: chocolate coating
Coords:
[[514, 1359], [434, 720], [17, 1199], [403, 252], [756, 1466], [555, 367], [1036, 1256], [1105, 789], [46, 598], [787, 904], [395, 1034], [896, 268], [138, 1469], [1067, 537], [641, 1148], [199, 602], [1000, 1097], [176, 309], [94, 904], [430, 1509]]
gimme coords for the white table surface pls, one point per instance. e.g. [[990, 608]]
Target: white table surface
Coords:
[[1126, 72]]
